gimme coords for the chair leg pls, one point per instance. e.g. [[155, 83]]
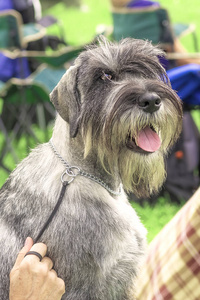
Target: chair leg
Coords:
[[195, 41], [6, 147], [5, 168], [41, 119], [8, 142], [23, 121]]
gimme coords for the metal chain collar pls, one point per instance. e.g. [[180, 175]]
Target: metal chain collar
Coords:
[[73, 171]]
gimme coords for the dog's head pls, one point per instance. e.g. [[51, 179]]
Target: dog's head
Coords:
[[118, 98]]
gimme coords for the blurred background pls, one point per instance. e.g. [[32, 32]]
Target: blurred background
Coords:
[[39, 40]]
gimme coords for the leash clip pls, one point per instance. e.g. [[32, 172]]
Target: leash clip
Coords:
[[72, 172]]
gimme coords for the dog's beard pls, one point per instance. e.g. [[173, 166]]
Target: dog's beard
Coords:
[[140, 173]]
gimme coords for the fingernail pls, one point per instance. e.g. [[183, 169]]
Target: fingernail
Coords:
[[26, 241]]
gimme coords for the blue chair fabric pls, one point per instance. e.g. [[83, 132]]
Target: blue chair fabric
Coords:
[[186, 81]]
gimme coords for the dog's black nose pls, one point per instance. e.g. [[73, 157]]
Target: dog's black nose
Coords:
[[149, 102]]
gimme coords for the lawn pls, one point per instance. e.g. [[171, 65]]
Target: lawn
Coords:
[[80, 28]]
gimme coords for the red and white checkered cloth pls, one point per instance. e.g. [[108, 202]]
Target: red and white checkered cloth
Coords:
[[172, 266]]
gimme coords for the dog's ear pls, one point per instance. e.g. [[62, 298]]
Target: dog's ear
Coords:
[[65, 98]]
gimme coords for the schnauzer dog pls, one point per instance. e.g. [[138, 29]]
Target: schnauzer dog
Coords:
[[117, 119]]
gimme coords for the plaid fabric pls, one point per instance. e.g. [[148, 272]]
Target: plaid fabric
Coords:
[[172, 266]]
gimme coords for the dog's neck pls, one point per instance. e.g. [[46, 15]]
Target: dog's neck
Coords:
[[72, 150]]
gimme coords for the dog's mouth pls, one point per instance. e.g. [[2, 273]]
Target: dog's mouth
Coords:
[[147, 141]]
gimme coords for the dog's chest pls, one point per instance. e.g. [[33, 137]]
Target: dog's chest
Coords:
[[97, 240]]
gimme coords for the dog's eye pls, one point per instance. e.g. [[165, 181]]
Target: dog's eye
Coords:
[[106, 76]]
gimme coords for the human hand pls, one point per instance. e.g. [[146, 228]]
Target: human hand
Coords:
[[32, 279]]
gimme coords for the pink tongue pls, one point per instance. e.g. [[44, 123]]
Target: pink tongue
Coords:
[[148, 140]]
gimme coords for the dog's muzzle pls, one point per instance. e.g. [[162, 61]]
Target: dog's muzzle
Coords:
[[147, 139]]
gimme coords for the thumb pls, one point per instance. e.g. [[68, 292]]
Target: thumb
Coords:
[[27, 246]]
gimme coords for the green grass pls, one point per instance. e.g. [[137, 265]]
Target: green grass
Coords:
[[80, 25], [185, 11], [22, 147], [156, 217], [196, 117], [80, 28]]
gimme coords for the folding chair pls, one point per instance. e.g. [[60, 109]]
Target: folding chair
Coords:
[[184, 169], [26, 98], [16, 35], [36, 89], [142, 23], [186, 81], [150, 22], [56, 58]]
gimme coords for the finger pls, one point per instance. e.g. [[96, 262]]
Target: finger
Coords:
[[60, 287], [56, 286], [40, 248], [54, 272], [48, 262], [28, 243], [27, 246]]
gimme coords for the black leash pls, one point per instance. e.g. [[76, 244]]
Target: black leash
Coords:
[[62, 193]]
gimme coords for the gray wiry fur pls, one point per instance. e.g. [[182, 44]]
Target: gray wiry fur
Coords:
[[96, 240]]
